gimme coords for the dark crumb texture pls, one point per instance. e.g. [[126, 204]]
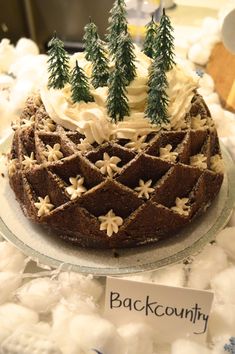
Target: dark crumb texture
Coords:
[[144, 221]]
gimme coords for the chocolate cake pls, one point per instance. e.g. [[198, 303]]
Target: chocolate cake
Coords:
[[116, 153], [180, 189]]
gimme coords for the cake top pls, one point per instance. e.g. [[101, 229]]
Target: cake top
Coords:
[[116, 91]]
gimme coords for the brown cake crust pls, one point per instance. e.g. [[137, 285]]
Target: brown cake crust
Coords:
[[145, 221]]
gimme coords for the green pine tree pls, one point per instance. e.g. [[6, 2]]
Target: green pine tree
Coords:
[[125, 57], [164, 44], [150, 37], [58, 64], [89, 38], [117, 25], [100, 68], [117, 102], [80, 85], [157, 97]]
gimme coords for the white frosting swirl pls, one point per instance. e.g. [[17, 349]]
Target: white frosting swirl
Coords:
[[91, 119]]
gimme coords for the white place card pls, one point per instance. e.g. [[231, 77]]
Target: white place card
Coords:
[[173, 312]]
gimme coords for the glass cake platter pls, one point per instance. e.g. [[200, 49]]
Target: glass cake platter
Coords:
[[45, 248]]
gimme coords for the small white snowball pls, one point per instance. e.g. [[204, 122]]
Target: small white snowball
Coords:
[[61, 317], [26, 46], [184, 346], [77, 284], [171, 275], [9, 282], [212, 98], [28, 341], [91, 331], [223, 285], [209, 41], [204, 91], [139, 338], [198, 54], [13, 316], [222, 320], [195, 36], [39, 294], [11, 259], [206, 264], [210, 26], [226, 240], [217, 113], [207, 82]]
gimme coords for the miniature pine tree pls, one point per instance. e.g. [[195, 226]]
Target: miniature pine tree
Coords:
[[80, 86], [117, 103], [164, 44], [58, 64], [118, 25], [100, 69], [157, 98], [125, 57], [151, 33], [89, 38]]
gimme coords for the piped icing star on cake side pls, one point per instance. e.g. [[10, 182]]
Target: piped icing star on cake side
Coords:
[[108, 166], [110, 222], [76, 189], [144, 189], [53, 153], [44, 206]]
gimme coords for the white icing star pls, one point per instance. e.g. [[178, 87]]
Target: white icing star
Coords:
[[110, 223], [76, 189], [47, 125], [199, 161], [27, 122], [181, 207], [108, 165], [84, 145], [12, 166], [144, 189], [197, 122], [137, 143], [53, 153], [167, 154], [217, 164], [29, 161], [44, 206]]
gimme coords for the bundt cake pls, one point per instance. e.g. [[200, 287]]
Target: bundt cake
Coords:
[[110, 175]]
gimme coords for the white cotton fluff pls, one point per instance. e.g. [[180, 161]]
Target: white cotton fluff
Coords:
[[171, 275], [206, 264], [138, 337], [77, 284], [11, 259], [226, 240], [212, 98], [91, 331], [39, 294], [211, 26], [185, 346], [7, 55], [26, 46], [206, 81], [28, 341], [199, 54], [13, 316], [9, 282], [222, 320], [219, 342], [223, 285]]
